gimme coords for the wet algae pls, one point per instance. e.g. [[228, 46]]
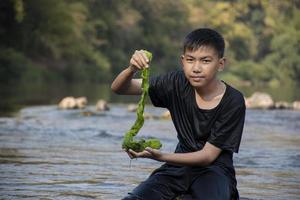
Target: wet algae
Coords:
[[129, 142]]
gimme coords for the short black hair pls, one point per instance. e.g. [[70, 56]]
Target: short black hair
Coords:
[[204, 37]]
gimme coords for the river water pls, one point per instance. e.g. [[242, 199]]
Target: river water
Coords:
[[46, 153]]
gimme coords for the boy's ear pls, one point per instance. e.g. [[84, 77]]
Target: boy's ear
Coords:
[[181, 58], [222, 62]]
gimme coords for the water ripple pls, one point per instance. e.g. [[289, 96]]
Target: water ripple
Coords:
[[47, 153]]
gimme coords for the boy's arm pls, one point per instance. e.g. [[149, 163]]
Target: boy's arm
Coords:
[[203, 157], [124, 82]]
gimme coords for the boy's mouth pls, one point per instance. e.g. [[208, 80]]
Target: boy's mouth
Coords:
[[197, 78]]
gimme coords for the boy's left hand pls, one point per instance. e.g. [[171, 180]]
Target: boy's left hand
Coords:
[[147, 153]]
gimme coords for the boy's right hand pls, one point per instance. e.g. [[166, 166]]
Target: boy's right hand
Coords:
[[138, 61]]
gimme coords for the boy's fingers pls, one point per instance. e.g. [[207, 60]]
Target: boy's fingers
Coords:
[[133, 153], [137, 57], [147, 154], [133, 62], [149, 149], [145, 56], [137, 154], [152, 152], [141, 58], [143, 154], [130, 155]]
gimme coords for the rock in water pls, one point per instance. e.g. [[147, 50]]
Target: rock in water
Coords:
[[102, 105], [81, 102], [296, 105], [72, 103], [132, 107], [283, 105], [260, 100], [67, 103]]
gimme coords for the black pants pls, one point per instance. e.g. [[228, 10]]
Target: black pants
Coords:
[[197, 183]]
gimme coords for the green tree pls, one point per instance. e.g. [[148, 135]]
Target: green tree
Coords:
[[55, 35]]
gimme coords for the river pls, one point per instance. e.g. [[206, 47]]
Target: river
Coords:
[[46, 153]]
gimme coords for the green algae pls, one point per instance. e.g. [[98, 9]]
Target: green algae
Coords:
[[129, 142]]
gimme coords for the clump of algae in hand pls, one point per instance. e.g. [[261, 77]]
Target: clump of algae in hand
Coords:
[[129, 142]]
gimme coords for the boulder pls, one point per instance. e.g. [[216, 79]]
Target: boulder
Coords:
[[296, 105], [283, 105], [102, 105], [132, 107], [81, 102], [72, 103], [260, 100], [67, 103]]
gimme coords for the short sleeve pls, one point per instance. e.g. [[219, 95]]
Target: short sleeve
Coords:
[[228, 129], [160, 88]]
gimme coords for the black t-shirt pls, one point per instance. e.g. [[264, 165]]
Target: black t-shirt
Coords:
[[221, 126]]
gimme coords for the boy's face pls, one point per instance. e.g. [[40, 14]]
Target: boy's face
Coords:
[[201, 66]]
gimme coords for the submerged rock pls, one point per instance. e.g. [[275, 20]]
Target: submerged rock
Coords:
[[87, 113], [102, 105], [260, 100]]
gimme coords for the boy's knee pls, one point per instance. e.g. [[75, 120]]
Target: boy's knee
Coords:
[[131, 197]]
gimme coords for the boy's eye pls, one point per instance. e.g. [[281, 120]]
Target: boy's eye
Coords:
[[190, 60], [206, 61]]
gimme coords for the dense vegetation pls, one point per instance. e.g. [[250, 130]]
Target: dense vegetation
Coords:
[[91, 40]]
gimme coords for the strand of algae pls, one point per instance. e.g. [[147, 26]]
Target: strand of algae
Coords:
[[129, 142]]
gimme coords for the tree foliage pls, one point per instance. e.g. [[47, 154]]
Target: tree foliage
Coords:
[[92, 40]]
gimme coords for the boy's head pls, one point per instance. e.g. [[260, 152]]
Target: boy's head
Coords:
[[203, 56], [204, 37]]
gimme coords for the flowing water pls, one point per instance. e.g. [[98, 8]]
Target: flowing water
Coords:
[[46, 153]]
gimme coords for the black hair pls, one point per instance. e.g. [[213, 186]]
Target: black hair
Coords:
[[204, 37]]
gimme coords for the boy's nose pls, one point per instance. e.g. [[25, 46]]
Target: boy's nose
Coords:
[[197, 68]]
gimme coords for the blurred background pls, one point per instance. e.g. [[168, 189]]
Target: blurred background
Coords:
[[50, 49]]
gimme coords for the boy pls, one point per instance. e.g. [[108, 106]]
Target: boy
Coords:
[[208, 115]]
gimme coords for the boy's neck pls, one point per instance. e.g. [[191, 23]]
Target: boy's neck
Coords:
[[213, 89]]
